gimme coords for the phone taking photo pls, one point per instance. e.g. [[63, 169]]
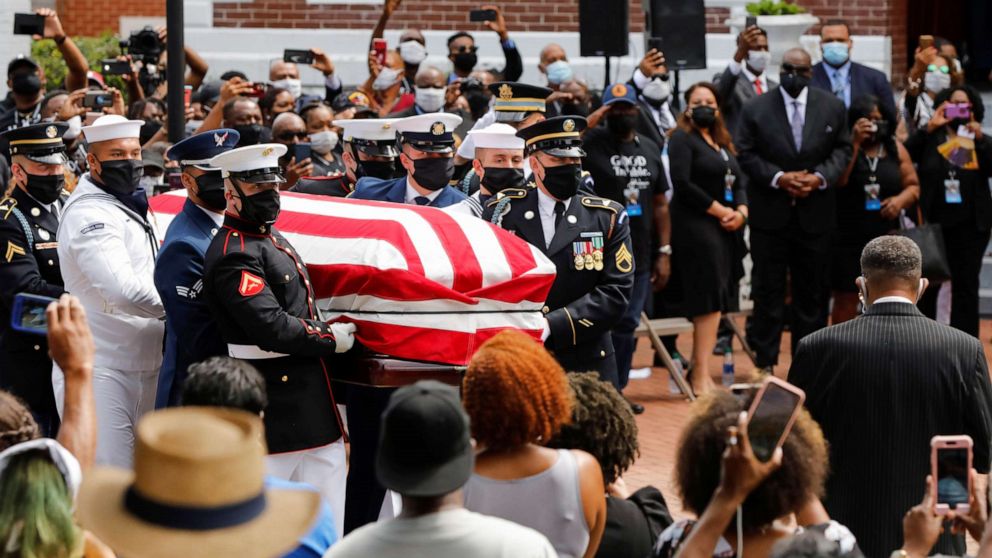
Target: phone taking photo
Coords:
[[98, 99], [28, 313], [297, 56], [114, 67], [771, 416], [750, 21], [482, 15], [29, 24], [950, 464], [301, 152]]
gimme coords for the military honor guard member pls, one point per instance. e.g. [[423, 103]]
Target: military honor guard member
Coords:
[[259, 294], [426, 146], [499, 163], [587, 237], [368, 149], [107, 249], [29, 260], [190, 333]]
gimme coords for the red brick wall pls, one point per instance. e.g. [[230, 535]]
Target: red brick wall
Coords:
[[94, 17]]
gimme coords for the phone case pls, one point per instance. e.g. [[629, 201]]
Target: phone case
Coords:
[[936, 443], [788, 387], [20, 301]]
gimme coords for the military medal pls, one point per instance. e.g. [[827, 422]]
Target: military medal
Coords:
[[597, 253], [590, 265], [578, 250]]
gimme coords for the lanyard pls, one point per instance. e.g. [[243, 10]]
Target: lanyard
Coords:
[[873, 163], [22, 120]]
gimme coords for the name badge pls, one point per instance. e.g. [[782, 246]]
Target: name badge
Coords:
[[872, 201], [633, 195], [728, 187], [952, 190]]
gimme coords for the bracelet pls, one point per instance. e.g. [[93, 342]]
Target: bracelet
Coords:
[[742, 215], [60, 39]]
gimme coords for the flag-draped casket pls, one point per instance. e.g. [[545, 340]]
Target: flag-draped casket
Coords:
[[420, 283]]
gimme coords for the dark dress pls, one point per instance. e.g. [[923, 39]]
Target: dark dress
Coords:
[[857, 225], [634, 524], [706, 257]]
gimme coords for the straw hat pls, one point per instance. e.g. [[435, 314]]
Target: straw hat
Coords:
[[197, 490]]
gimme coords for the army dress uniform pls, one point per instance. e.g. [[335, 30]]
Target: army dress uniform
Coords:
[[590, 247], [259, 293], [29, 263]]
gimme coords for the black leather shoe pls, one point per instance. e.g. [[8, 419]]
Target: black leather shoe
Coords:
[[636, 408]]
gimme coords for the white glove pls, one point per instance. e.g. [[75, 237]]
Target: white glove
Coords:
[[344, 337], [546, 332]]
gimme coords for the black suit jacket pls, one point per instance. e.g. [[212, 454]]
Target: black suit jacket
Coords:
[[864, 81], [765, 147], [881, 386], [734, 91]]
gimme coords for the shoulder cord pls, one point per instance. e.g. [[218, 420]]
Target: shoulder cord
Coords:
[[497, 218], [25, 226], [466, 183]]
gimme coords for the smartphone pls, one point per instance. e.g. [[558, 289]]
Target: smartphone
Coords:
[[301, 151], [257, 90], [926, 41], [950, 464], [297, 56], [98, 99], [187, 95], [772, 414], [114, 67], [482, 15], [379, 46], [28, 313], [750, 21], [958, 110], [29, 24], [656, 43]]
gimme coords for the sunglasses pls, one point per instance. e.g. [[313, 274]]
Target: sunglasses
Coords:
[[466, 48], [288, 136], [941, 69], [793, 69]]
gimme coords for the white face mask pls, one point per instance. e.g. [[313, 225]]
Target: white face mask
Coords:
[[293, 85], [935, 82], [412, 52], [387, 78], [657, 90], [75, 128], [324, 142], [758, 59], [429, 99]]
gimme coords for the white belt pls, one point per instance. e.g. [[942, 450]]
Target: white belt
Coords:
[[251, 352]]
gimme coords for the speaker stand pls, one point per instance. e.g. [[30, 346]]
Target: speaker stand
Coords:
[[606, 80], [676, 99]]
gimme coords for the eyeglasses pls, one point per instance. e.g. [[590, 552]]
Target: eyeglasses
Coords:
[[793, 69], [941, 69], [465, 48], [288, 136]]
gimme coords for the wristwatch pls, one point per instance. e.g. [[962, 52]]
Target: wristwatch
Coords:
[[665, 250]]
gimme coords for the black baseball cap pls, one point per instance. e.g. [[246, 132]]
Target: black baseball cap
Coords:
[[425, 448]]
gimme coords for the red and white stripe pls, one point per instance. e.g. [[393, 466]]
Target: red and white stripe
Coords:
[[420, 283]]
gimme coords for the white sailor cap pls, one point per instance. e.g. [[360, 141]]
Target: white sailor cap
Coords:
[[111, 127], [374, 136], [497, 136], [252, 163], [431, 132]]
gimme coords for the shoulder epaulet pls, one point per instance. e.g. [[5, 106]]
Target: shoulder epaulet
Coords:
[[601, 203], [508, 194], [7, 206]]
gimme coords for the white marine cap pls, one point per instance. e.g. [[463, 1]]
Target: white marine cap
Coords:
[[375, 136], [431, 132], [111, 127], [252, 163], [497, 136]]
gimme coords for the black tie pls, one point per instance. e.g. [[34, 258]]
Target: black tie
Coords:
[[559, 211], [422, 200]]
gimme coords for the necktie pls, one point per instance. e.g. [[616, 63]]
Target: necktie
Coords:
[[797, 124], [757, 86], [559, 211], [422, 200]]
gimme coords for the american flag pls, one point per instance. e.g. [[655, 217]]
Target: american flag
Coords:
[[420, 283]]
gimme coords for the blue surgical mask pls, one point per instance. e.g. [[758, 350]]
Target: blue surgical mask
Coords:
[[559, 72], [836, 54]]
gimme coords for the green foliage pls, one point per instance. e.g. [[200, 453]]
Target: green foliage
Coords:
[[95, 49], [773, 7]]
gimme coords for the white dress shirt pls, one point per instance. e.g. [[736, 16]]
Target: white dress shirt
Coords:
[[902, 299], [412, 194], [546, 207], [217, 218]]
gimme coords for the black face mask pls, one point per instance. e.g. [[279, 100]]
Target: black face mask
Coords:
[[26, 84], [498, 179], [261, 208], [433, 174], [793, 83], [211, 190], [251, 134], [384, 170], [621, 124], [45, 188], [478, 103], [704, 117], [121, 176], [958, 122], [148, 129], [465, 61], [562, 182]]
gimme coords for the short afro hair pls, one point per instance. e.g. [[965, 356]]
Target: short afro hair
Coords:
[[892, 257], [515, 392], [225, 382], [602, 425], [700, 455]]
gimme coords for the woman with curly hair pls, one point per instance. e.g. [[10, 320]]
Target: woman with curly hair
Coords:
[[793, 487], [516, 395], [603, 425]]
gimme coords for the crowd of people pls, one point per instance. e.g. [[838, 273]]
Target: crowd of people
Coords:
[[185, 398]]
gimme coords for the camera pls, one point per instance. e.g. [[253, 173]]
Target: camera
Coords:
[[471, 84], [144, 45]]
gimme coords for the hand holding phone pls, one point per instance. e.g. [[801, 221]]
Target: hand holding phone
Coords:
[[958, 110], [926, 41], [301, 152], [773, 412], [482, 15], [115, 67], [29, 24], [750, 21], [297, 56], [98, 99], [950, 464], [379, 47]]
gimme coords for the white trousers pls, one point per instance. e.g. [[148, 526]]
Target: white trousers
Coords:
[[325, 468], [122, 398]]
